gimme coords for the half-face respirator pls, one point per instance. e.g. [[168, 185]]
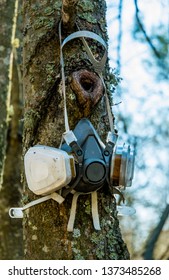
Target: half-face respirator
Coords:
[[82, 164]]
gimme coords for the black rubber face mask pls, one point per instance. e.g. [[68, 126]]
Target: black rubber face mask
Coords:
[[92, 167]]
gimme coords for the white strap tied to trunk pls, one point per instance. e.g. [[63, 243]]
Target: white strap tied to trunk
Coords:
[[17, 212], [95, 214], [98, 67]]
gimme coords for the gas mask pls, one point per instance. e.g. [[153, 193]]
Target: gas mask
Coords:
[[82, 164], [85, 164]]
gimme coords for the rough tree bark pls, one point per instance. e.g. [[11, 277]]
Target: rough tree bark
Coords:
[[10, 141], [6, 17], [45, 225], [11, 245]]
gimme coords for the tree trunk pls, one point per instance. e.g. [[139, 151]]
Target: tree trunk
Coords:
[[7, 11], [45, 225], [10, 140], [11, 245]]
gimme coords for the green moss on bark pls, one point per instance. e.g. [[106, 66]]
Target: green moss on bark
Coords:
[[45, 226]]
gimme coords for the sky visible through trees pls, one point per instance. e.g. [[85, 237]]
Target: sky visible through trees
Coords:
[[142, 117]]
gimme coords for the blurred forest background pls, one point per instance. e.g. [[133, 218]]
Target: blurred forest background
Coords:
[[138, 52]]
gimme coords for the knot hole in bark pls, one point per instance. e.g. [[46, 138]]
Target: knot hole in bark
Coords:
[[88, 89], [87, 84]]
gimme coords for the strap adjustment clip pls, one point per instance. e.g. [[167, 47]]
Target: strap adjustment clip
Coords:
[[69, 137]]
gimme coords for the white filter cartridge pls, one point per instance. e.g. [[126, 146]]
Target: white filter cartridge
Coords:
[[47, 169]]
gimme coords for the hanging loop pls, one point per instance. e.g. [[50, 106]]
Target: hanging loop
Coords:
[[98, 67]]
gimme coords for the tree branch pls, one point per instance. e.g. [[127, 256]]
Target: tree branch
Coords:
[[157, 54], [165, 255], [69, 13], [148, 254], [119, 36]]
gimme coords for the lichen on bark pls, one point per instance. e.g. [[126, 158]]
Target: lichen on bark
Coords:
[[10, 138], [44, 124], [5, 51]]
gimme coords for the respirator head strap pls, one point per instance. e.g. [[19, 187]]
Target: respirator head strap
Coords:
[[79, 156], [71, 141], [110, 144], [117, 191], [78, 152], [108, 151], [95, 213], [17, 212]]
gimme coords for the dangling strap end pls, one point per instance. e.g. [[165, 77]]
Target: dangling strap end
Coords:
[[95, 213], [16, 213], [70, 225]]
